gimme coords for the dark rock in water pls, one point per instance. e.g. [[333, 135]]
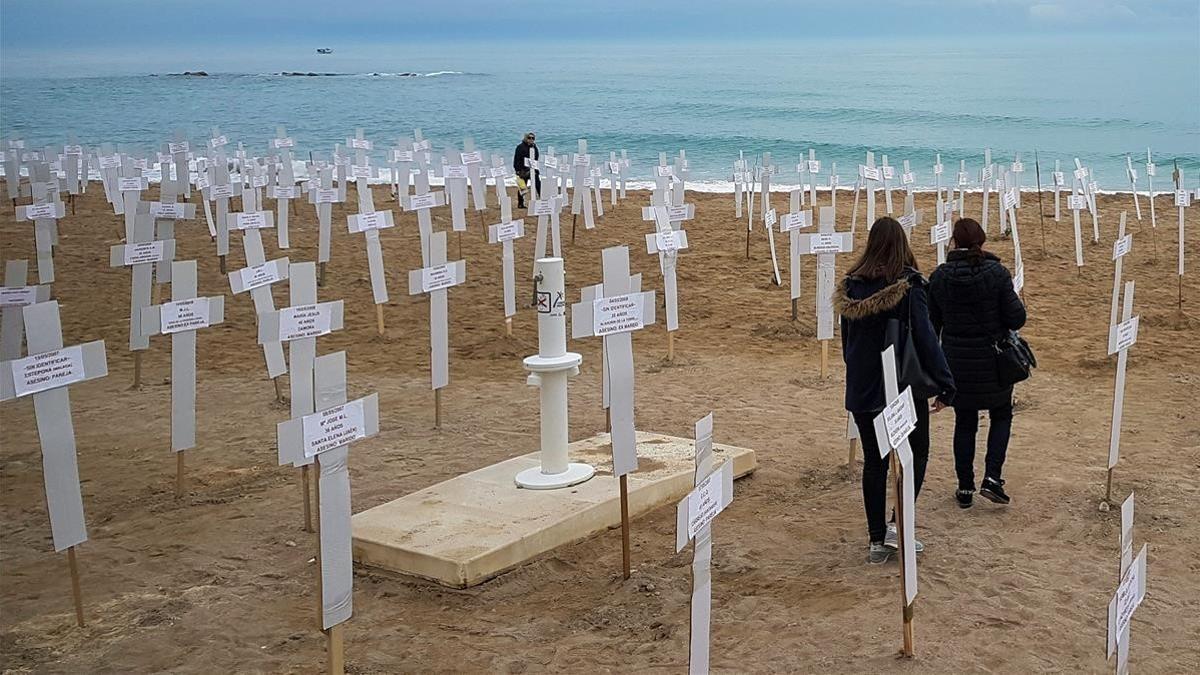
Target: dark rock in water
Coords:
[[190, 73], [309, 74], [409, 74]]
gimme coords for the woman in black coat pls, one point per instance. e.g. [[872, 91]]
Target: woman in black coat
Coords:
[[884, 284], [973, 304]]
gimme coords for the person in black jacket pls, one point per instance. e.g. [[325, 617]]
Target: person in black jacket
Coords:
[[972, 305], [527, 148], [885, 284]]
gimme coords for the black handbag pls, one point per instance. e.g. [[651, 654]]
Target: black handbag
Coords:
[[1014, 359], [910, 371]]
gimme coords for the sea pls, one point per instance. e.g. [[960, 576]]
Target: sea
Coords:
[[1095, 98]]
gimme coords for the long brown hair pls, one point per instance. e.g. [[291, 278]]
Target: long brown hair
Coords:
[[970, 236], [887, 254]]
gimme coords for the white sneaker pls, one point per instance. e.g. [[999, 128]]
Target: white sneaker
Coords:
[[892, 540]]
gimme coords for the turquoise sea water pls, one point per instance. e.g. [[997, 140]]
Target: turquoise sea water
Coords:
[[1092, 98]]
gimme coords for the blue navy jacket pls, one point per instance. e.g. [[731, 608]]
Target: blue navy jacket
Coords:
[[865, 306]]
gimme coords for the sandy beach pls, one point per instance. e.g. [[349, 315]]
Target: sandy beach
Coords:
[[223, 580]]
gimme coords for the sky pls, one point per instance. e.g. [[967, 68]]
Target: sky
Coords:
[[39, 26]]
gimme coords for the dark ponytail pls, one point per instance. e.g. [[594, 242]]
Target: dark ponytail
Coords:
[[970, 236]]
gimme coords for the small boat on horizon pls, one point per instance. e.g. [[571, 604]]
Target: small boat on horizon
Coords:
[[324, 50]]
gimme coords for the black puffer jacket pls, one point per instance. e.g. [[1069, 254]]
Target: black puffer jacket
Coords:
[[865, 306], [971, 304]]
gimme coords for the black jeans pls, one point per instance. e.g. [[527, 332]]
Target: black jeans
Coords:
[[875, 468], [966, 425]]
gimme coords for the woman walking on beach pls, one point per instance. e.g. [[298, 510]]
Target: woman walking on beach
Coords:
[[973, 305], [884, 284]]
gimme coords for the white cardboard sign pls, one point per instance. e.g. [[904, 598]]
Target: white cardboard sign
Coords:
[[826, 242], [706, 501], [47, 370], [182, 315], [795, 221], [510, 230], [425, 201], [253, 220], [18, 296], [900, 418], [305, 321], [618, 314], [144, 252], [165, 211], [1123, 336], [332, 428], [1122, 246], [260, 275], [438, 276]]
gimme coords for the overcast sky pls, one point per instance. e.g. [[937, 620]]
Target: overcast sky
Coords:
[[26, 25]]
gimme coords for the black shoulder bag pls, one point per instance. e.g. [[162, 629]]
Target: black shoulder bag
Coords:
[[1014, 359], [910, 372]]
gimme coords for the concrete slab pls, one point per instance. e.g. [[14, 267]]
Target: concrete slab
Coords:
[[469, 529]]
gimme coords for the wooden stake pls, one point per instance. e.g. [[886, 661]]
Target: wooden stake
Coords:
[[608, 420], [137, 369], [747, 243], [1108, 489], [222, 259], [75, 590], [850, 460], [437, 408], [906, 609], [671, 346], [625, 525], [278, 391], [794, 308], [321, 274], [307, 509], [333, 646], [574, 217], [460, 255], [379, 314], [508, 326], [179, 475], [824, 358]]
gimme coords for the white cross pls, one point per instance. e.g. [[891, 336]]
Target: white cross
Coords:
[[1009, 201], [323, 196], [892, 428], [421, 201], [938, 170], [257, 277], [1121, 337], [963, 180], [454, 175], [299, 325], [180, 151], [165, 212], [325, 437], [813, 165], [908, 180], [667, 240], [180, 319], [625, 166], [435, 279], [546, 206], [1131, 590], [581, 200], [1183, 199], [1083, 186], [613, 312], [614, 176], [130, 184], [472, 158], [12, 169], [1151, 170], [987, 177], [739, 183], [369, 222], [284, 188], [868, 174], [505, 232], [71, 161], [140, 254], [1077, 201], [1016, 169], [499, 172], [887, 173], [220, 190], [1059, 182], [45, 374], [939, 234], [693, 521], [13, 297], [402, 167], [1121, 247], [833, 184], [826, 243], [44, 211], [791, 224]]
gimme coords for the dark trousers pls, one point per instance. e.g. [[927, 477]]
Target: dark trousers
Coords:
[[875, 468], [966, 425]]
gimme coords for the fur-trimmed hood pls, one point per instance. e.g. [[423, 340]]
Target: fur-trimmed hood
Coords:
[[882, 300]]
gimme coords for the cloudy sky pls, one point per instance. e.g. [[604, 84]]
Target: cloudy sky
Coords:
[[27, 25]]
